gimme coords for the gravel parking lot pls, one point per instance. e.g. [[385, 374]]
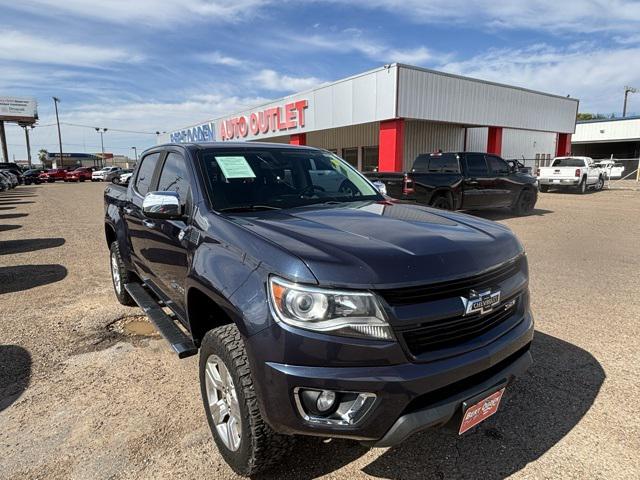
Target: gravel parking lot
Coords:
[[88, 392]]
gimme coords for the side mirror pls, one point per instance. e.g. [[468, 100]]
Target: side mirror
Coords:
[[380, 186], [162, 205]]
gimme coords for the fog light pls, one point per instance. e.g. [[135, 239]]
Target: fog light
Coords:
[[326, 400], [330, 407]]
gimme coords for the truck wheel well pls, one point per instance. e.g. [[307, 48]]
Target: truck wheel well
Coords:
[[442, 193], [110, 234], [204, 314]]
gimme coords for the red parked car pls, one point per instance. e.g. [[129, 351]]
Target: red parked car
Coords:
[[53, 174], [78, 175]]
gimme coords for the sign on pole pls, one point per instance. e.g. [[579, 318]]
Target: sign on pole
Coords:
[[18, 109]]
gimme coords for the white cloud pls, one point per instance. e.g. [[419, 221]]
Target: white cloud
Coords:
[[354, 40], [272, 80], [595, 75], [23, 47], [144, 12], [218, 58], [558, 17]]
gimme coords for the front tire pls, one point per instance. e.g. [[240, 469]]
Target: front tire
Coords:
[[243, 438], [544, 188], [120, 276], [600, 185]]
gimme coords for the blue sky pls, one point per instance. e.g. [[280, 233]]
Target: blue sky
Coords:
[[147, 65]]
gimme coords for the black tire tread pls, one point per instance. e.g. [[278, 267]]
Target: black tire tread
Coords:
[[267, 446]]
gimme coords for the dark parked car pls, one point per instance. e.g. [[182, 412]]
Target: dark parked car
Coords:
[[32, 176], [318, 306], [11, 179], [8, 167], [462, 181]]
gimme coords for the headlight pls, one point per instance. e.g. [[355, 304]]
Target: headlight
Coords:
[[350, 314]]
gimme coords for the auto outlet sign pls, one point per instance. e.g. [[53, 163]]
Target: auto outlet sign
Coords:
[[276, 119], [269, 120]]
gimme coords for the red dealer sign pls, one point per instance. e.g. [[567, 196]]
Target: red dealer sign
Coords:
[[273, 119]]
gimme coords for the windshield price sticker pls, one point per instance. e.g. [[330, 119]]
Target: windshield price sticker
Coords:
[[235, 167]]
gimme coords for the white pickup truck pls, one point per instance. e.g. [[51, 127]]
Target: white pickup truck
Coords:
[[566, 172]]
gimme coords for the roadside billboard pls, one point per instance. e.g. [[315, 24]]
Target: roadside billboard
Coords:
[[18, 109]]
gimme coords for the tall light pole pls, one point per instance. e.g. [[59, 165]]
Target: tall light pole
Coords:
[[56, 100], [26, 137], [627, 91], [101, 131], [135, 150]]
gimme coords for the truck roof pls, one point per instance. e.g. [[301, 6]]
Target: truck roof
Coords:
[[199, 146]]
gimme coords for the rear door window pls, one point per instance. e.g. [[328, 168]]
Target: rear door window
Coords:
[[497, 165], [476, 165], [145, 173]]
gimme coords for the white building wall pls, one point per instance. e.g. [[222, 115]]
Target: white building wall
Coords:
[[612, 131], [515, 143], [436, 96]]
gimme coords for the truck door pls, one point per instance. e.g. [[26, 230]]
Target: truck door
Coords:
[[477, 182], [166, 252], [139, 234], [505, 188]]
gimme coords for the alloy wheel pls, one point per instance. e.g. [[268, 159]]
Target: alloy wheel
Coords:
[[222, 400], [115, 273]]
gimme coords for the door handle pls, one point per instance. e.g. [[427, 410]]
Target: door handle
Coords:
[[128, 210], [148, 223], [472, 182]]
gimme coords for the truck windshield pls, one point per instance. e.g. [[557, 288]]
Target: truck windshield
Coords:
[[272, 178], [568, 162]]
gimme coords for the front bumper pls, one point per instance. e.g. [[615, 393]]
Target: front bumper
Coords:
[[409, 396]]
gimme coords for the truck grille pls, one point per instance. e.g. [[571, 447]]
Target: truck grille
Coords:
[[450, 332], [454, 288]]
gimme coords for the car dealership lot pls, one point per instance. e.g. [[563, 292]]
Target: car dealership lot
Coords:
[[83, 396]]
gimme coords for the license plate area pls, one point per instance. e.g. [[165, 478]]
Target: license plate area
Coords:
[[480, 410]]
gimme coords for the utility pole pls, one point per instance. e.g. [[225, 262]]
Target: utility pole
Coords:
[[26, 137], [101, 131], [3, 141], [56, 100], [135, 150], [627, 91]]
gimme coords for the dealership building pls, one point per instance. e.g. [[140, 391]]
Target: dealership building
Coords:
[[385, 117]]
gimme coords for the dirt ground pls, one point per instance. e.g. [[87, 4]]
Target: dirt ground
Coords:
[[87, 392]]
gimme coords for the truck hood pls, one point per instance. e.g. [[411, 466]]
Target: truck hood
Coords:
[[385, 244]]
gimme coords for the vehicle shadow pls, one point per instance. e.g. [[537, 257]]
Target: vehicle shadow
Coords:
[[29, 245], [24, 277], [12, 215], [7, 227], [15, 373], [7, 208], [10, 202], [538, 410], [505, 213]]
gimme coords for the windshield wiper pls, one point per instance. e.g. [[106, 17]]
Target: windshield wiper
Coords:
[[249, 208]]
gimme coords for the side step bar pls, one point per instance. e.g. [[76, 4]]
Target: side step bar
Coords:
[[178, 340]]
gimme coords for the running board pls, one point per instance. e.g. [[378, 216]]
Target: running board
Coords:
[[167, 327]]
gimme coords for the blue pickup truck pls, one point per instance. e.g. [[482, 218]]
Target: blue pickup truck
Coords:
[[317, 305]]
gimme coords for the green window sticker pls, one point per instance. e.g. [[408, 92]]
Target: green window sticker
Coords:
[[235, 167]]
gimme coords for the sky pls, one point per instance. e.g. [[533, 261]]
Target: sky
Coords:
[[156, 65]]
